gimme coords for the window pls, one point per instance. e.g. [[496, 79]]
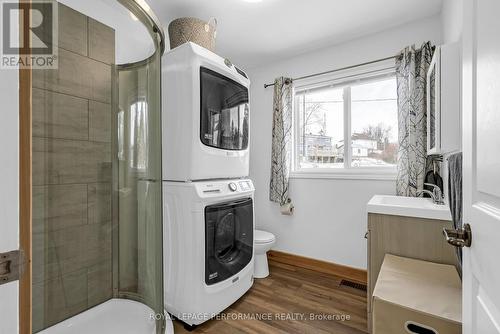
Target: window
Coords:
[[347, 126]]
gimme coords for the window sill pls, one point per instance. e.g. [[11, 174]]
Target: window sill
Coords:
[[349, 174]]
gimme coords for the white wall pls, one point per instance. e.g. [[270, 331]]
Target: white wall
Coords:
[[9, 195], [452, 26], [452, 20], [330, 218]]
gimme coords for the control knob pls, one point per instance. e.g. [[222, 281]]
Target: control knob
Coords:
[[233, 186]]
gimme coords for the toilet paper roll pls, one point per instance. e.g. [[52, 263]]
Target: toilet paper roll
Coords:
[[287, 208]]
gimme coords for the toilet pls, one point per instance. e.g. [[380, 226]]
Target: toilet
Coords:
[[263, 242]]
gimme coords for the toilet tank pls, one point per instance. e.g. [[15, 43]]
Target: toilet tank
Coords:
[[205, 116]]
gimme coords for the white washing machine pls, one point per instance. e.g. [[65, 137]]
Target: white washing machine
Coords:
[[206, 116], [208, 246]]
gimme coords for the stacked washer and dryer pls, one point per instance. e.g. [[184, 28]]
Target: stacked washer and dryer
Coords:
[[208, 198]]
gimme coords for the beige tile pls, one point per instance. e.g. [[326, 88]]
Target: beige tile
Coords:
[[99, 243], [60, 252], [100, 283], [77, 76], [59, 116], [58, 161], [46, 34], [72, 30], [99, 121], [60, 298], [99, 203], [101, 42], [59, 206]]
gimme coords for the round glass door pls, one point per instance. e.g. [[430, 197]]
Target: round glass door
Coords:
[[228, 239], [225, 238]]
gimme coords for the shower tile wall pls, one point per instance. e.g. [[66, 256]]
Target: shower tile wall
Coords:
[[72, 268]]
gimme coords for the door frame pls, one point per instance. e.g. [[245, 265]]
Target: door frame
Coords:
[[25, 179]]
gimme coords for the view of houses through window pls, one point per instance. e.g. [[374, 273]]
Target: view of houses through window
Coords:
[[365, 112]]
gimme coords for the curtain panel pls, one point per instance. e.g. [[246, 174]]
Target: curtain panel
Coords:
[[411, 73], [281, 156]]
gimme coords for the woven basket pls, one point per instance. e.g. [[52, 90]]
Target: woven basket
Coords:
[[191, 29]]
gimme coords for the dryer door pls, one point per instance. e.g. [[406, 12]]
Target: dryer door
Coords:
[[228, 239], [224, 118]]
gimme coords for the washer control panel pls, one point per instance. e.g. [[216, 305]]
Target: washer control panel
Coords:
[[246, 185], [218, 188]]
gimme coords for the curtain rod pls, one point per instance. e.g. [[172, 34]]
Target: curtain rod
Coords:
[[336, 70]]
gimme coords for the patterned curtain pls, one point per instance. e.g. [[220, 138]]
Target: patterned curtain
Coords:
[[411, 74], [282, 140]]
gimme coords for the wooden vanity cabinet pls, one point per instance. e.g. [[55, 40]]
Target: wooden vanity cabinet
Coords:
[[411, 237]]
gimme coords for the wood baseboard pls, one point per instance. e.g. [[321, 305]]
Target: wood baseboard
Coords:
[[354, 274]]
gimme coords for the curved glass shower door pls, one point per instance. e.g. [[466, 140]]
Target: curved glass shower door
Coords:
[[97, 206], [140, 273]]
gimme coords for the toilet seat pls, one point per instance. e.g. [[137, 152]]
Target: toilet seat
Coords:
[[263, 237]]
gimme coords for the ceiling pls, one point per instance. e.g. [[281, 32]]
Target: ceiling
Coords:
[[253, 34]]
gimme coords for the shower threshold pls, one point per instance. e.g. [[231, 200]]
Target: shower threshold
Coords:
[[121, 316]]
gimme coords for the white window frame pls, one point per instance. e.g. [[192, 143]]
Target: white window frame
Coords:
[[345, 79]]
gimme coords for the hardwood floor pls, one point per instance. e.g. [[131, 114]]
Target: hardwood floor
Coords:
[[292, 300]]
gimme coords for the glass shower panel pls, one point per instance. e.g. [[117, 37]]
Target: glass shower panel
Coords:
[[140, 273]]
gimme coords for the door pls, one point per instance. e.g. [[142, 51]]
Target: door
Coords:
[[228, 239], [224, 112], [15, 193], [481, 139], [9, 195]]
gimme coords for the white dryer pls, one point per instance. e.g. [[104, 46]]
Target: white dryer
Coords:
[[206, 116], [208, 246]]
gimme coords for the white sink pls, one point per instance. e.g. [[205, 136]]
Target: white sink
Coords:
[[408, 206]]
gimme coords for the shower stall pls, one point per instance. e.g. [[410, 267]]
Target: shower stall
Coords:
[[96, 170]]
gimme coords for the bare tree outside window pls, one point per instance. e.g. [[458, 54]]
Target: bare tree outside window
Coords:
[[321, 120], [372, 111]]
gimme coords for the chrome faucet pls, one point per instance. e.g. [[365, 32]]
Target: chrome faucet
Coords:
[[436, 193]]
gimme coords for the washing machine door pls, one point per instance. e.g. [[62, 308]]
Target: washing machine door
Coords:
[[228, 239]]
